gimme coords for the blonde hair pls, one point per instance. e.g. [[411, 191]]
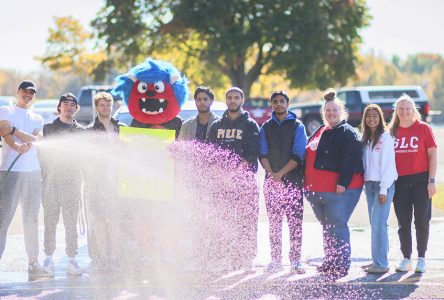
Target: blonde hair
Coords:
[[103, 95], [394, 122], [330, 96]]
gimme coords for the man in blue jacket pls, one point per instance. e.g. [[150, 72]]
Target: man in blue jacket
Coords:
[[239, 133], [282, 151]]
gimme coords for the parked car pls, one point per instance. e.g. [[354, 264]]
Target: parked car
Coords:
[[259, 109], [187, 111], [47, 108], [87, 111], [357, 98]]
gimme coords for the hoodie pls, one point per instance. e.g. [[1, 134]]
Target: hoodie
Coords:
[[240, 136]]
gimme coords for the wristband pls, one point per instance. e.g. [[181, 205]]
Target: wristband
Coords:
[[431, 180], [12, 131]]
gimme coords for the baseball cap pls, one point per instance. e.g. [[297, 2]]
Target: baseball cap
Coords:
[[28, 85], [68, 97]]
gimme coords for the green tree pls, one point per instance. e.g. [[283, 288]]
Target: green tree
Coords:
[[421, 63], [312, 43]]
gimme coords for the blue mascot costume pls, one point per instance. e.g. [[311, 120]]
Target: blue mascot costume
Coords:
[[154, 91]]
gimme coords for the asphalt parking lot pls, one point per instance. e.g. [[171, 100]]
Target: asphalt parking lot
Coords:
[[254, 283]]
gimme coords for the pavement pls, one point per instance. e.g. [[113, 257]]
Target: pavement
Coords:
[[251, 284]]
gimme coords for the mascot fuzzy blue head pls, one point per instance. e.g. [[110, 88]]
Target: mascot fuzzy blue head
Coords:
[[154, 91]]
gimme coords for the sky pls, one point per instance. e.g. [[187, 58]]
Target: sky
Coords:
[[401, 27]]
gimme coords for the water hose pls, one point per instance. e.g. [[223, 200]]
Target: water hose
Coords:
[[10, 168]]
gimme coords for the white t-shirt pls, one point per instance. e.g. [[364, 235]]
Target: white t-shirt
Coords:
[[379, 162], [27, 121]]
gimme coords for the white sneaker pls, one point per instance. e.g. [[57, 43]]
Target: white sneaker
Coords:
[[421, 265], [48, 264], [405, 265], [297, 267], [73, 268], [273, 267]]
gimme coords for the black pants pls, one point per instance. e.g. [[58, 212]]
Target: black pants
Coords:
[[411, 196]]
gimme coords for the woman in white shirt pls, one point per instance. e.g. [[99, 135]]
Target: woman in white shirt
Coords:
[[379, 175]]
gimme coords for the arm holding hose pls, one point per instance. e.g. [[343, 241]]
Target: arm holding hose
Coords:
[[25, 140]]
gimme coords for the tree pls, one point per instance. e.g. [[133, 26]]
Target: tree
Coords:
[[69, 50], [312, 43], [421, 63]]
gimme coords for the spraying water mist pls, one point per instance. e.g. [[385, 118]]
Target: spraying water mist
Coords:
[[187, 234]]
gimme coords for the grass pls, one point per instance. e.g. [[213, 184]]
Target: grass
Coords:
[[438, 199]]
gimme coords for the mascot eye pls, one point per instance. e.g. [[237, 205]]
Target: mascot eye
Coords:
[[142, 87], [159, 87]]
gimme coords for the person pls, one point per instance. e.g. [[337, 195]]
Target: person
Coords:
[[379, 175], [104, 122], [282, 151], [21, 183], [197, 127], [334, 153], [416, 162], [104, 232], [62, 181], [239, 133]]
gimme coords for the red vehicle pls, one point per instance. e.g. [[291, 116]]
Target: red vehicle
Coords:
[[259, 109]]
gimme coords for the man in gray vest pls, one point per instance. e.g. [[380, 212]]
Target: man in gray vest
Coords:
[[197, 127]]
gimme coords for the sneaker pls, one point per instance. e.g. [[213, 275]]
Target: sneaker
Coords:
[[73, 268], [297, 268], [36, 271], [364, 267], [421, 265], [48, 264], [405, 265], [274, 267], [376, 270]]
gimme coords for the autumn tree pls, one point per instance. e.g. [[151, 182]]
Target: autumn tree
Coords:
[[70, 50], [312, 43]]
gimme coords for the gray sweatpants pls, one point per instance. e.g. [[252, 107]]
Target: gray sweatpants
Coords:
[[63, 195], [24, 188]]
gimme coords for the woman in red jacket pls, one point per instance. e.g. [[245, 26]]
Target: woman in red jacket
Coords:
[[416, 161]]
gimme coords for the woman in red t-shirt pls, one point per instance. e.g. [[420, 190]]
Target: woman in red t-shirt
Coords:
[[416, 161], [333, 182]]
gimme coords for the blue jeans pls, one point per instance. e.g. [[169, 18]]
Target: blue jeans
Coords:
[[334, 211], [378, 214]]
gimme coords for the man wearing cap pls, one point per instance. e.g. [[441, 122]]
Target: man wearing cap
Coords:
[[61, 185], [20, 176]]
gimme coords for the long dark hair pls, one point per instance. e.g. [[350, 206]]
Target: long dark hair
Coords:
[[380, 129]]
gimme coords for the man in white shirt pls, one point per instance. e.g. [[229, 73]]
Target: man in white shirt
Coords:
[[20, 176]]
